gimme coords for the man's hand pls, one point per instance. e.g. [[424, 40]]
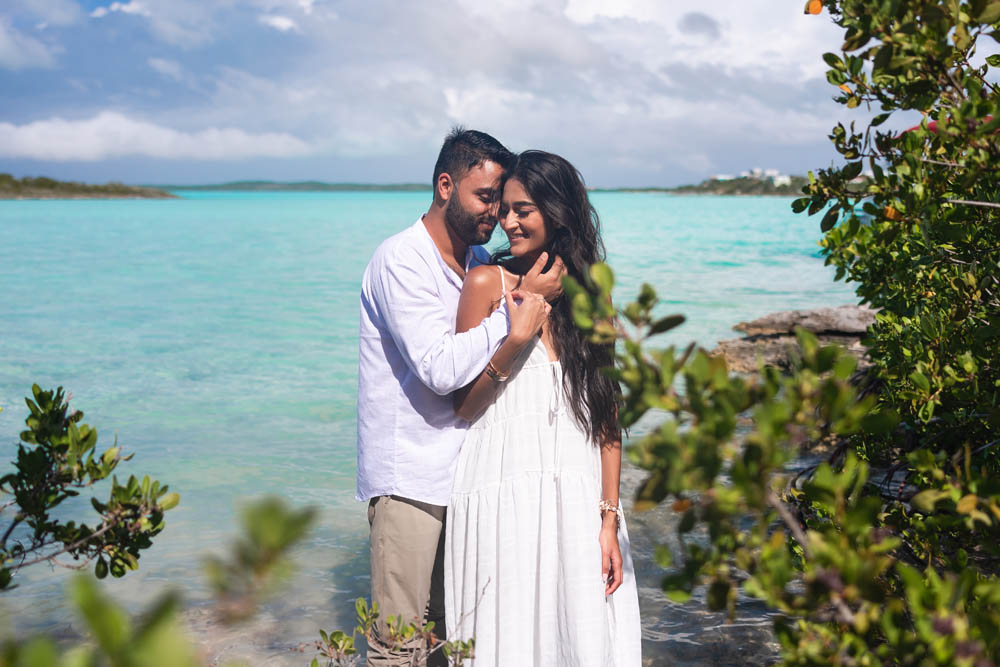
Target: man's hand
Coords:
[[548, 284]]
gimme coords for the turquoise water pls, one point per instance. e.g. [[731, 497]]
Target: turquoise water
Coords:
[[216, 337]]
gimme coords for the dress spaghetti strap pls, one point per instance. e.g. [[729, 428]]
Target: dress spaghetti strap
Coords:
[[503, 283]]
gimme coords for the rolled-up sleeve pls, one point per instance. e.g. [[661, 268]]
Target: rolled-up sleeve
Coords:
[[424, 331]]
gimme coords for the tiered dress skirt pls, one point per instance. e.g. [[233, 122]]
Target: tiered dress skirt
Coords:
[[522, 557]]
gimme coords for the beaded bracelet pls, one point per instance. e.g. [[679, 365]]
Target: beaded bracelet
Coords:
[[494, 373], [608, 506]]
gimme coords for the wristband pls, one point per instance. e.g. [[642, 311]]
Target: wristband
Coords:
[[494, 374]]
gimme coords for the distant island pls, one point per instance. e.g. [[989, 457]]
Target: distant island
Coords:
[[754, 181], [298, 186], [47, 188], [744, 185]]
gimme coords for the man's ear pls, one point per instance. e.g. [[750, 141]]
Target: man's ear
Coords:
[[444, 188]]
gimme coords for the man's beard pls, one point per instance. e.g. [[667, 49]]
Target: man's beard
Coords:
[[464, 224]]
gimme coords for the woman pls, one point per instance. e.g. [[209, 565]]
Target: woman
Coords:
[[537, 566]]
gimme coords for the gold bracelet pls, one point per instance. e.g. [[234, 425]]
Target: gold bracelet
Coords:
[[494, 373]]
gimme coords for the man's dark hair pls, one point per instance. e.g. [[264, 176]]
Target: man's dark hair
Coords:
[[466, 149]]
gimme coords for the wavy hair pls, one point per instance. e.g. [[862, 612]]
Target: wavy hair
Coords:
[[558, 190]]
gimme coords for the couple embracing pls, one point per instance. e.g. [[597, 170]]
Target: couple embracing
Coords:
[[488, 444]]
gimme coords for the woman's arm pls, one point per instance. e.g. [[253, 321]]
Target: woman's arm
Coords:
[[479, 292], [611, 555]]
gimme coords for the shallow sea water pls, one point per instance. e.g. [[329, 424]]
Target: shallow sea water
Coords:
[[216, 337]]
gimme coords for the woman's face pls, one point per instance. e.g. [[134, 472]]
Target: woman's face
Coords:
[[522, 221]]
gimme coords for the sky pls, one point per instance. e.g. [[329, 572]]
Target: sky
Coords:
[[633, 92]]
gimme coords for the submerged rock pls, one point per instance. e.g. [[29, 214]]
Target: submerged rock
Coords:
[[772, 337]]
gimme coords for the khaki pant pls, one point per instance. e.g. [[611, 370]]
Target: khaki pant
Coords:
[[407, 563]]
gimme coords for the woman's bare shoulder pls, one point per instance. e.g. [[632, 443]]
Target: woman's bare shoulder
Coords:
[[482, 279]]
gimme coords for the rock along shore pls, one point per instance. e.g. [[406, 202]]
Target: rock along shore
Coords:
[[772, 337]]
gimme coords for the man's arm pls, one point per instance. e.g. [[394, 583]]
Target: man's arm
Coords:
[[423, 330]]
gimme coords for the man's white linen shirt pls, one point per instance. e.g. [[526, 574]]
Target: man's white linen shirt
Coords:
[[410, 362]]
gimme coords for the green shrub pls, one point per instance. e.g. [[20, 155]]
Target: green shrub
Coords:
[[887, 553]]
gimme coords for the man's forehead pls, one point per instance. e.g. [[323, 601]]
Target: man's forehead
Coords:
[[485, 175]]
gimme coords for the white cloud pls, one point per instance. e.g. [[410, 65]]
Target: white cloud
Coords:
[[278, 22], [635, 90], [50, 12], [19, 51], [168, 68], [133, 7], [757, 32], [110, 135]]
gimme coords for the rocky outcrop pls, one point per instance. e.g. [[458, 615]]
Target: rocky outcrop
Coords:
[[772, 337]]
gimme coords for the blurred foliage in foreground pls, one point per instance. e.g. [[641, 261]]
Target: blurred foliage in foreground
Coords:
[[886, 553], [56, 460], [254, 567]]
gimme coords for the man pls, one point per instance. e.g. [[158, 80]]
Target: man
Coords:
[[411, 360]]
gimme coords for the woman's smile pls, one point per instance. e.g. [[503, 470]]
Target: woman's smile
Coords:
[[521, 220]]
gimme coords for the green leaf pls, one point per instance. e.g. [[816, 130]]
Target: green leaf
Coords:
[[879, 119], [830, 219], [851, 170], [880, 422], [882, 57], [582, 311], [663, 556], [920, 380], [666, 324], [991, 14], [169, 501], [678, 595], [602, 276], [159, 618], [800, 204], [994, 60], [833, 60], [38, 652], [926, 500], [108, 623], [571, 287]]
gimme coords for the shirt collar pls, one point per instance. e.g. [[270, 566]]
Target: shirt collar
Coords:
[[453, 277]]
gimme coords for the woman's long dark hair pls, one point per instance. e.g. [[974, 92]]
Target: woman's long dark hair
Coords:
[[558, 191]]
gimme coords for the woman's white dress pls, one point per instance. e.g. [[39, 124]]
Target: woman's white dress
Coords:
[[522, 559]]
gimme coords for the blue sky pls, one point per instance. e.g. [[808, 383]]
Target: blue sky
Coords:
[[634, 92]]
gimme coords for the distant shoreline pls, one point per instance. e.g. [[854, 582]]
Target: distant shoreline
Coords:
[[49, 188], [46, 188], [297, 186], [58, 195]]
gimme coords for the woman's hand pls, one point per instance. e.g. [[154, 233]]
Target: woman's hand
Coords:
[[528, 312], [611, 554]]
